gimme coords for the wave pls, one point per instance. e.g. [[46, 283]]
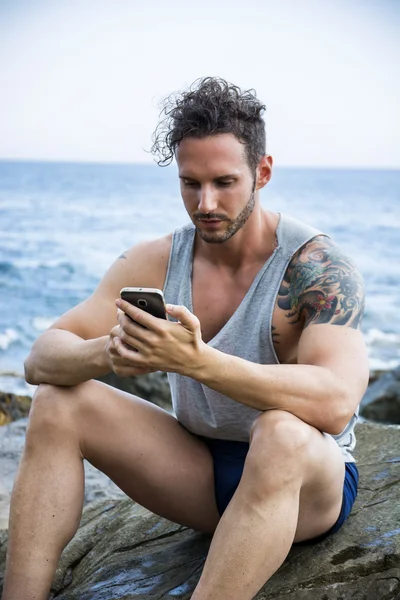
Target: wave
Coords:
[[8, 337], [26, 263], [377, 364], [376, 337], [42, 323]]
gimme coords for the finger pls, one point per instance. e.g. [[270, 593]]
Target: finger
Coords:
[[184, 316], [133, 343], [128, 353], [133, 329], [138, 315]]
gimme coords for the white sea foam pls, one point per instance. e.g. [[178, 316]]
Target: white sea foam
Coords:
[[376, 364], [8, 337], [376, 337], [31, 263], [42, 323], [383, 349]]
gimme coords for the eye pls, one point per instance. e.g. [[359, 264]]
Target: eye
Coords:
[[189, 183], [224, 183]]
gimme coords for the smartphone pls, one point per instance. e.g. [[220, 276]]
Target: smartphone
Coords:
[[150, 300]]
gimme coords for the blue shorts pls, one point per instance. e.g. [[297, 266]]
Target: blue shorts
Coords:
[[229, 457]]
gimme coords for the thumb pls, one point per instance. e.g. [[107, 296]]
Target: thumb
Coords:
[[184, 316]]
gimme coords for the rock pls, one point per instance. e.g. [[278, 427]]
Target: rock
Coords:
[[153, 387], [13, 407], [381, 402], [375, 374], [123, 552], [12, 439]]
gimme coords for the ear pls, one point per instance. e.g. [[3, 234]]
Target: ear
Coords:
[[264, 171]]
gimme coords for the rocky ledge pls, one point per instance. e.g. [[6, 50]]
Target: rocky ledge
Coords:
[[122, 552]]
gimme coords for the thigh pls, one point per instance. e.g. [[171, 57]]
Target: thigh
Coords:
[[147, 453]]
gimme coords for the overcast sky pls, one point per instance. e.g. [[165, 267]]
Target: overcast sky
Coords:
[[80, 80]]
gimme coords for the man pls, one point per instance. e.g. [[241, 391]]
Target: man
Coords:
[[265, 359]]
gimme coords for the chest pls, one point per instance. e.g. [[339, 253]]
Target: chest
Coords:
[[216, 296]]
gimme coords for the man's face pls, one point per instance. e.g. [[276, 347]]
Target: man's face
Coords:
[[217, 185]]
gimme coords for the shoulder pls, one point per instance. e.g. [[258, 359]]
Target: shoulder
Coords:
[[152, 251], [142, 265], [322, 285]]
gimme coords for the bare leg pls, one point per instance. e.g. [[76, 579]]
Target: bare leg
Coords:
[[46, 507], [138, 445], [291, 490]]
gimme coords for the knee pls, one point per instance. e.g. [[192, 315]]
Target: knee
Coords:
[[280, 430], [279, 447], [53, 408]]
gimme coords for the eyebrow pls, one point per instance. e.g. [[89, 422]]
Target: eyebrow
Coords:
[[233, 176]]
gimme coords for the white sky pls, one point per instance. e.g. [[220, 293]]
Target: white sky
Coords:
[[80, 79]]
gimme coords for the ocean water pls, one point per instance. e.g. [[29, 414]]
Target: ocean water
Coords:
[[62, 225]]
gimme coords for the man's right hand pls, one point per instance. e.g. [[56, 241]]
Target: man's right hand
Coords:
[[120, 366]]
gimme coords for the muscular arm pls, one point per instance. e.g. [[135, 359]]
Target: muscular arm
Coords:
[[323, 290], [74, 349], [62, 358]]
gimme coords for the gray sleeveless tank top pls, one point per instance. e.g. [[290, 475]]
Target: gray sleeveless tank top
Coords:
[[247, 334]]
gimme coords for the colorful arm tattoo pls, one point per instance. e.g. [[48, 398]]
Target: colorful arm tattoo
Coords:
[[322, 285]]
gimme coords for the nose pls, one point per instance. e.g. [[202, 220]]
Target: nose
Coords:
[[208, 201]]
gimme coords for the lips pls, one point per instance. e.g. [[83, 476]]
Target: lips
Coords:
[[209, 222]]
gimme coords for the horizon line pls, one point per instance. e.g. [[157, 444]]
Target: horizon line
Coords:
[[154, 164]]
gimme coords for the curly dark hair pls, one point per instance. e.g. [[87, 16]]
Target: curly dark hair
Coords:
[[211, 106]]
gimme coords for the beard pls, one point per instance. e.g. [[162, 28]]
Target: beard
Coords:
[[233, 227]]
